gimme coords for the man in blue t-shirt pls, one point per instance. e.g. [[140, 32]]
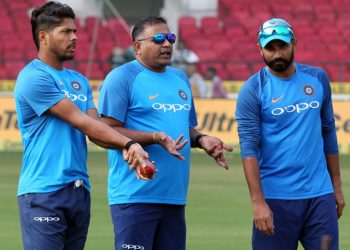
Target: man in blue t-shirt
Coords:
[[151, 102], [289, 147], [55, 111]]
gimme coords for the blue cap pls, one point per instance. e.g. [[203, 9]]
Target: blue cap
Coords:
[[275, 29]]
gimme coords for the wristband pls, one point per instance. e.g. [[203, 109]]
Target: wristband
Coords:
[[154, 134], [196, 140], [129, 143]]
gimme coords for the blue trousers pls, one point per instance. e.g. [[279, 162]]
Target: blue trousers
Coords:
[[307, 221], [149, 226], [56, 220]]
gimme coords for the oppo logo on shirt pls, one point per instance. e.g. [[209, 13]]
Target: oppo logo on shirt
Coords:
[[174, 107], [74, 97], [297, 108]]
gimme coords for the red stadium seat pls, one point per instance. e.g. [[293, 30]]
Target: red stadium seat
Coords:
[[223, 49], [257, 66], [304, 11], [18, 6], [95, 71], [13, 54], [199, 44], [346, 73], [321, 26], [206, 55], [210, 22], [187, 21], [106, 68], [30, 52], [13, 68], [235, 32], [6, 25], [238, 71], [96, 75], [35, 3], [3, 72], [12, 49], [90, 23], [333, 70], [189, 32], [105, 49]]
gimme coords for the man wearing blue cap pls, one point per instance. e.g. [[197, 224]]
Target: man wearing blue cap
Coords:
[[289, 147]]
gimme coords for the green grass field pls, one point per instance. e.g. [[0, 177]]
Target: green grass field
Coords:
[[218, 212]]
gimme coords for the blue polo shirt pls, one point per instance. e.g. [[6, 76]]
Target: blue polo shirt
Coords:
[[145, 100], [54, 152]]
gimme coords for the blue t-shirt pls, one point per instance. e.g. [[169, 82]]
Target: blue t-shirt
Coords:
[[288, 124], [54, 152], [148, 101]]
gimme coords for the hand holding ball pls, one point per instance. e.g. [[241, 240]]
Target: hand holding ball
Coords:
[[147, 172]]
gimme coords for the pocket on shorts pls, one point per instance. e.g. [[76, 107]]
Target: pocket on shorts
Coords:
[[26, 200], [124, 206]]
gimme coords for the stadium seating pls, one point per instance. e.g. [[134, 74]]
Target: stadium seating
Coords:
[[17, 47], [321, 26], [226, 41], [12, 68]]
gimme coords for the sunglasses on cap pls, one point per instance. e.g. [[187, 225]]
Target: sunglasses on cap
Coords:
[[277, 26], [275, 30], [159, 38]]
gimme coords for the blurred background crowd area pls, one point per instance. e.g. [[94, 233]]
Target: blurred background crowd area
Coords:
[[216, 39]]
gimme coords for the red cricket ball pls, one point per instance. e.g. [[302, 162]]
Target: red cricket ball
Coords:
[[148, 170]]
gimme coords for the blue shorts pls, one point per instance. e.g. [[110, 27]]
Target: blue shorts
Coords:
[[143, 226], [56, 220], [307, 221]]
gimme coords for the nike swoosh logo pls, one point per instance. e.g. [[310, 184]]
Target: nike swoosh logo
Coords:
[[277, 99], [151, 97]]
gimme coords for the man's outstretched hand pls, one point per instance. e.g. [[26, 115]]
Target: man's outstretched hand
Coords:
[[215, 148], [171, 145]]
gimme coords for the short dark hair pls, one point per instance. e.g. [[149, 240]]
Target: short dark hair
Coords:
[[141, 24], [49, 16]]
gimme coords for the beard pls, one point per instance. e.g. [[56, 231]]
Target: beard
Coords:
[[63, 58], [280, 64], [64, 55]]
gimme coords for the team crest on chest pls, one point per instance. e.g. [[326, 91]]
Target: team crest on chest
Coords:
[[309, 90], [182, 94], [76, 85]]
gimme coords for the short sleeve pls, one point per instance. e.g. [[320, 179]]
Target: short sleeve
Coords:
[[114, 96], [91, 104], [193, 115], [40, 91]]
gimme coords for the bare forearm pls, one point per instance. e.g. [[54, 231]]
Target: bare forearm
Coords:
[[144, 138], [88, 123], [103, 135], [101, 144], [252, 174]]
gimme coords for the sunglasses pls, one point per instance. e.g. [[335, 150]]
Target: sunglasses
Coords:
[[275, 26], [159, 38], [276, 30]]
